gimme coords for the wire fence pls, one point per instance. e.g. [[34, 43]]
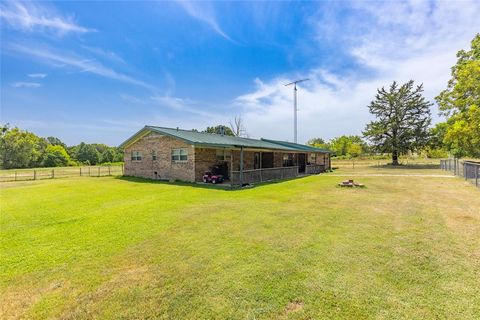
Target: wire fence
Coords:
[[379, 163], [469, 170], [61, 172]]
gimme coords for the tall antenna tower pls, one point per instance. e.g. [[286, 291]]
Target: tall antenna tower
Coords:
[[294, 83]]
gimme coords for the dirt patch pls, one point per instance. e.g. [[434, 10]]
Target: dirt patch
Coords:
[[465, 218], [294, 307], [15, 304], [124, 277]]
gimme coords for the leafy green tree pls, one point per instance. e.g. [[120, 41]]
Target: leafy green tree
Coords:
[[354, 150], [403, 118], [19, 148], [437, 135], [460, 102], [56, 142], [318, 143], [341, 144], [435, 147], [55, 156], [87, 153], [218, 130], [108, 155], [118, 155]]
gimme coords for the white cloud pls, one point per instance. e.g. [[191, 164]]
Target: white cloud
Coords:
[[31, 16], [204, 12], [401, 41], [37, 75], [26, 85], [109, 55], [179, 104], [47, 55]]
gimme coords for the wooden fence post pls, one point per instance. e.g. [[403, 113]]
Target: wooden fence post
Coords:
[[99, 171], [109, 172], [34, 174], [80, 171], [89, 171], [53, 173], [15, 175]]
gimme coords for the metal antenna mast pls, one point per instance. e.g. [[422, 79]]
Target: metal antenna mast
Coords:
[[295, 106]]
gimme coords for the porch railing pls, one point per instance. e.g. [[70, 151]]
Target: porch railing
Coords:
[[260, 175], [314, 168]]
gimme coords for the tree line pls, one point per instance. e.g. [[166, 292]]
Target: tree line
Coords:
[[23, 149]]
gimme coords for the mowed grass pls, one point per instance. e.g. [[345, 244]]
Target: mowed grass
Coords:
[[404, 247]]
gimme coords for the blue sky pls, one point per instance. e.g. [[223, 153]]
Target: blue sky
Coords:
[[99, 71]]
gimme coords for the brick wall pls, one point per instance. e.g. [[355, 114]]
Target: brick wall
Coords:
[[247, 160], [204, 160], [164, 166]]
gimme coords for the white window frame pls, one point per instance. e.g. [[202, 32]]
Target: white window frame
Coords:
[[179, 155], [136, 156], [313, 157]]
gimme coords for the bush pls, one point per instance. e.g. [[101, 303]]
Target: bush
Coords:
[[55, 156], [436, 153]]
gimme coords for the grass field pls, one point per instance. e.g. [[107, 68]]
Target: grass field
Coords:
[[405, 247]]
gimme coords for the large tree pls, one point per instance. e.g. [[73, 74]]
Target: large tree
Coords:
[[87, 153], [341, 144], [460, 102], [219, 129], [318, 143], [403, 118], [238, 127], [19, 148], [55, 156]]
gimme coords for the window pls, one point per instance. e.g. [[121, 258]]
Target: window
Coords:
[[313, 157], [179, 154], [223, 155], [136, 155], [154, 155], [288, 159], [256, 160]]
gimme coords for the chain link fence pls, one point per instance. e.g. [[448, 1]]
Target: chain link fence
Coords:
[[62, 172], [469, 170]]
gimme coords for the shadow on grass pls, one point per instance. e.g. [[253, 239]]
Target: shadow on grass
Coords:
[[220, 187]]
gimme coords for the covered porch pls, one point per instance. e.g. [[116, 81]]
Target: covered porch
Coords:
[[254, 166], [241, 165]]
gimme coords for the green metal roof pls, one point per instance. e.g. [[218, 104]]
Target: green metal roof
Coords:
[[218, 140], [297, 145]]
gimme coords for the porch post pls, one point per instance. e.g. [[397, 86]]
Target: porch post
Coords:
[[241, 166], [231, 167]]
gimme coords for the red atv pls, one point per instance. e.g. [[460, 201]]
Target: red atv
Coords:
[[213, 178]]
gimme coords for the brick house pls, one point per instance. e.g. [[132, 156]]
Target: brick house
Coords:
[[168, 153]]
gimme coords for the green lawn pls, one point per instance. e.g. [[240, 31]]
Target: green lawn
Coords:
[[405, 247]]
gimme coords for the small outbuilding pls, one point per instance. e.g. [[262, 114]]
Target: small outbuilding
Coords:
[[176, 154]]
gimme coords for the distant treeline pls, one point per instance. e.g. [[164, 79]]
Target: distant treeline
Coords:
[[348, 147], [23, 149]]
